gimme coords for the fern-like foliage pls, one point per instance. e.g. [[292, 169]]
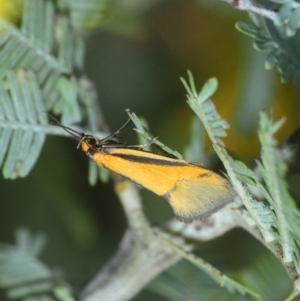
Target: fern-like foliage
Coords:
[[288, 16], [39, 65], [144, 132], [277, 216], [279, 38], [46, 44], [22, 122], [215, 127], [25, 277], [273, 170]]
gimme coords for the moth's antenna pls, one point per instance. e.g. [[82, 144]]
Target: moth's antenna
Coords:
[[67, 129]]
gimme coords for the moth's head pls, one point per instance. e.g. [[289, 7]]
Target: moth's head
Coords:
[[88, 141]]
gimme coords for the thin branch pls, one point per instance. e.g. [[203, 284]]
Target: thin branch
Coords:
[[140, 256], [143, 254], [139, 259], [250, 7]]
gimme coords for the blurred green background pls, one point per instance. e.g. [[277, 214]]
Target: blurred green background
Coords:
[[135, 60]]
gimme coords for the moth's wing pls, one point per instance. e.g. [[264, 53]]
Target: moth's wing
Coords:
[[197, 199]]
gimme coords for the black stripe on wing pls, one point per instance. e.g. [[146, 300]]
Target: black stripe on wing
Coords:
[[145, 160]]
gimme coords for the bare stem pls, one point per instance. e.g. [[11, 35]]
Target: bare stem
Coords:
[[250, 7], [143, 254]]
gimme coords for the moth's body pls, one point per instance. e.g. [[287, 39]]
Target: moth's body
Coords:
[[192, 191]]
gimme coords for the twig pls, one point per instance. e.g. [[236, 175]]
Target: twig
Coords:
[[140, 258], [142, 254], [250, 7]]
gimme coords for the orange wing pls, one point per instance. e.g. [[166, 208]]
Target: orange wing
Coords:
[[192, 191]]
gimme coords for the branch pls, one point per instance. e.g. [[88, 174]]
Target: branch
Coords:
[[250, 7], [146, 251], [140, 257]]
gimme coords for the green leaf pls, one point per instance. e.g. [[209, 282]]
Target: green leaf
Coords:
[[283, 62], [93, 173], [273, 172], [209, 88], [293, 22], [261, 214], [263, 45], [283, 13], [23, 123], [288, 72], [23, 275], [104, 174], [247, 29], [37, 68], [256, 19], [142, 130], [242, 169], [280, 38], [70, 111], [205, 110], [33, 46], [271, 60]]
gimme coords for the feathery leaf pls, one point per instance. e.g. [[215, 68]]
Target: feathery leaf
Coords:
[[273, 170], [215, 127], [23, 123], [280, 38], [24, 276]]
